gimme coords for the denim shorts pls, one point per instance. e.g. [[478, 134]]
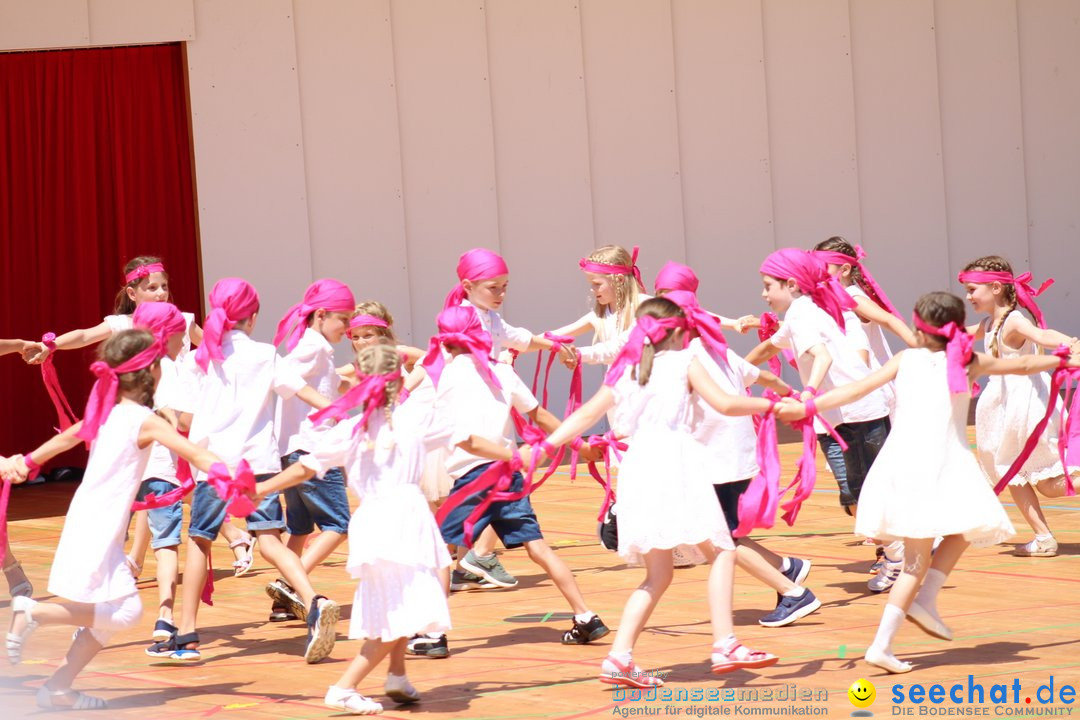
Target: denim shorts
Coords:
[[864, 441], [728, 494], [320, 501], [208, 512], [514, 522], [165, 521]]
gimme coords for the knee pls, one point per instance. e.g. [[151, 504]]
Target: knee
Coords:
[[118, 614]]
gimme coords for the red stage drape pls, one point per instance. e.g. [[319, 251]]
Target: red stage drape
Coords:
[[95, 168]]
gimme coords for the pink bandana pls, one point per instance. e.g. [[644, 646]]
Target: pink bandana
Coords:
[[325, 294], [810, 275], [702, 323], [143, 271], [648, 329], [1025, 294], [459, 325], [873, 290], [160, 318], [369, 393], [231, 300], [359, 321], [675, 276], [475, 265], [103, 395], [605, 269], [958, 351]]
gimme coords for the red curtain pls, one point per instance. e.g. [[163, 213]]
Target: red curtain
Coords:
[[95, 169]]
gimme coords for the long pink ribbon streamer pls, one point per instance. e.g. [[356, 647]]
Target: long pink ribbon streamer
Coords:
[[64, 414], [757, 506], [806, 472]]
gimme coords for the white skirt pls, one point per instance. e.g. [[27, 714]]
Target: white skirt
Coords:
[[396, 601]]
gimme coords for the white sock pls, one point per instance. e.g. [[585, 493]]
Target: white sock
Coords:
[[398, 682], [795, 592], [584, 617], [931, 586], [1044, 538], [623, 658], [891, 619], [722, 648], [785, 565]]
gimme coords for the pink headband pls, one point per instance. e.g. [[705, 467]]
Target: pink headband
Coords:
[[143, 271], [325, 294], [475, 265], [160, 318], [370, 394], [605, 269], [810, 275], [460, 326], [648, 329], [231, 300], [1025, 294], [675, 276], [872, 288], [701, 322], [958, 351], [103, 395], [359, 321]]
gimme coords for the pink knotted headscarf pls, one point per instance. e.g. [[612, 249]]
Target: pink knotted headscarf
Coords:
[[325, 294], [359, 321], [703, 323], [143, 271], [475, 265], [958, 351], [812, 278], [160, 318], [459, 325], [676, 276], [600, 268], [103, 395], [872, 289], [1025, 293], [231, 301], [369, 393], [648, 329]]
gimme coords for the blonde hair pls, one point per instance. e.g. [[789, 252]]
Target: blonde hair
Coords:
[[996, 263], [375, 308], [381, 359], [659, 308], [627, 295]]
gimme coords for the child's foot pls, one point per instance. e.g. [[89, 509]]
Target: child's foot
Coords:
[[18, 583], [283, 595], [1039, 547], [488, 568], [400, 690], [22, 624], [426, 646], [68, 700], [244, 550], [790, 609], [929, 620], [885, 660], [736, 656], [163, 630], [280, 613], [321, 621], [186, 648], [462, 580], [615, 672], [351, 701], [585, 632], [886, 576]]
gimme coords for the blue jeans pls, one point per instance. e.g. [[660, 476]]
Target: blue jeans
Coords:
[[864, 441], [165, 522], [320, 501], [514, 522], [208, 512]]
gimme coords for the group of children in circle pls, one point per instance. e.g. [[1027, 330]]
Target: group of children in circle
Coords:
[[413, 431]]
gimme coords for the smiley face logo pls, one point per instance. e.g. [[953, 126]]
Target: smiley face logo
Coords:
[[862, 693]]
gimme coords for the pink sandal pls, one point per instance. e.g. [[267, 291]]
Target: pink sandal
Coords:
[[740, 657], [613, 672]]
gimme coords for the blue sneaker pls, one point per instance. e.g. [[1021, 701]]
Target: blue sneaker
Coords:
[[321, 622], [797, 570], [790, 609]]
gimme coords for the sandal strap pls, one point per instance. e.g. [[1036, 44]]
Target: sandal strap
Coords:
[[187, 638]]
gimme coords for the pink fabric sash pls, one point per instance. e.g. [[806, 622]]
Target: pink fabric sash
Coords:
[[460, 325], [325, 294], [610, 445], [676, 276], [806, 472], [768, 327], [496, 480], [367, 321], [369, 393], [811, 277], [231, 300], [475, 265], [757, 505], [647, 329], [103, 395], [1025, 293], [958, 351], [64, 414], [5, 496], [703, 324], [143, 271], [871, 288], [600, 268]]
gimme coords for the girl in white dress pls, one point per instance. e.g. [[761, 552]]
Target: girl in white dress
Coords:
[[395, 548], [925, 482], [89, 569], [661, 505], [1010, 407]]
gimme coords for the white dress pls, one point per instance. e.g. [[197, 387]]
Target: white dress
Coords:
[[925, 481], [395, 548], [1007, 411], [89, 564], [666, 498]]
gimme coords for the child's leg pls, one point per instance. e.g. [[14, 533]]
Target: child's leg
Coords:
[[139, 543], [916, 565], [721, 590], [1027, 502], [18, 583], [834, 456], [542, 554], [319, 549], [397, 657], [168, 566], [371, 654], [642, 601], [763, 564], [287, 563], [238, 540], [83, 649], [1053, 487], [195, 574]]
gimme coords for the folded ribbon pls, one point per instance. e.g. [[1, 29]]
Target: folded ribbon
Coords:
[[64, 414], [871, 288], [958, 351], [806, 472], [768, 327], [757, 505]]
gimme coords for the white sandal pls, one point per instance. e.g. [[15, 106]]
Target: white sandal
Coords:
[[241, 566], [15, 641], [82, 701]]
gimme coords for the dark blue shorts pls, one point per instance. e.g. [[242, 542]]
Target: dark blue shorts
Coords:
[[165, 521], [208, 512], [514, 522], [320, 501]]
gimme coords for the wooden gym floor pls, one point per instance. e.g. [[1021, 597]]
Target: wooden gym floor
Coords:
[[1015, 619]]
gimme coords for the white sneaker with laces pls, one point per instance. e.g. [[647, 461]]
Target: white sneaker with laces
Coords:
[[886, 576]]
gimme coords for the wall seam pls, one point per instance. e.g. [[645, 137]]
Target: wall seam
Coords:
[[1023, 144], [768, 124], [588, 131]]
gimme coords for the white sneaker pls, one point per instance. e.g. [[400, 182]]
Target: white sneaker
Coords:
[[1037, 548], [351, 701], [886, 576]]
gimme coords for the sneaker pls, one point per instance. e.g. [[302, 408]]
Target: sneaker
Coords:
[[797, 570], [461, 580], [488, 568], [428, 647], [282, 594], [790, 609], [609, 530], [1037, 548], [886, 576], [740, 657], [163, 630], [582, 633], [351, 702], [321, 622], [879, 560]]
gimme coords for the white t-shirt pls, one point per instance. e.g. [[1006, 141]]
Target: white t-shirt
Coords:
[[504, 336], [162, 465], [313, 360], [731, 441], [476, 408], [806, 325], [880, 352], [118, 323], [234, 403]]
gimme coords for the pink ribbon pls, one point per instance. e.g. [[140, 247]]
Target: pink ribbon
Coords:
[[359, 321], [64, 414], [369, 393], [590, 266], [162, 319], [497, 480], [647, 329], [806, 472], [702, 323], [460, 326], [958, 351], [231, 300], [871, 287], [475, 265], [103, 395], [1025, 293], [757, 505], [610, 445], [234, 491], [812, 278], [153, 501], [768, 327], [676, 276], [143, 271], [5, 495], [325, 294]]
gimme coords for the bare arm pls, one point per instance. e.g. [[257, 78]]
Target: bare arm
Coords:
[[195, 334], [721, 401], [15, 346], [584, 417], [483, 448], [156, 429], [1020, 328], [313, 398], [767, 379], [820, 368], [543, 417], [412, 355], [977, 331], [853, 391], [71, 341], [870, 311], [1024, 365], [295, 474], [49, 449], [575, 328], [762, 353]]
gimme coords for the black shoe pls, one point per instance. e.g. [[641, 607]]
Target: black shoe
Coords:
[[583, 633], [163, 648], [609, 530], [163, 630], [428, 647]]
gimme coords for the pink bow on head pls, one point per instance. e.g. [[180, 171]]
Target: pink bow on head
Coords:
[[325, 294], [369, 393], [872, 288], [812, 278], [475, 265], [592, 266], [143, 271], [958, 351], [231, 301], [103, 395], [359, 321], [676, 276], [1025, 293], [704, 324], [460, 326], [648, 329], [160, 318]]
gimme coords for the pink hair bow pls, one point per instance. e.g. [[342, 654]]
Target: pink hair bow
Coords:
[[1025, 293], [704, 324], [143, 271], [876, 293], [591, 266], [647, 330], [460, 326], [475, 265], [325, 294], [103, 395], [958, 351], [231, 300]]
